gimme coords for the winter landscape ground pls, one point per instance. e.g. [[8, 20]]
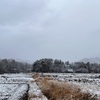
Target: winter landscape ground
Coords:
[[26, 87], [19, 87], [89, 83]]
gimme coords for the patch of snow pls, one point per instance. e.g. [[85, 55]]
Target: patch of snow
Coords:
[[19, 92], [35, 93]]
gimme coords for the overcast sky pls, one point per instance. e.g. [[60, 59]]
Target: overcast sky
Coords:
[[62, 29]]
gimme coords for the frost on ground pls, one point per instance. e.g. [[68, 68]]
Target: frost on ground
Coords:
[[23, 86], [35, 93], [87, 82], [19, 93], [19, 87]]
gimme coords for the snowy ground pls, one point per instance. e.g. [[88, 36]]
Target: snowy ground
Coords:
[[87, 82], [19, 87]]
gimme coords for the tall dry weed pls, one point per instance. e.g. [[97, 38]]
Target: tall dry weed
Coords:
[[55, 90]]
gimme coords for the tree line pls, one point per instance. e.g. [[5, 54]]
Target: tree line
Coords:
[[58, 66], [12, 66], [49, 66]]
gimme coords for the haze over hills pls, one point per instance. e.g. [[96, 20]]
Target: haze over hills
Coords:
[[85, 60], [91, 60], [19, 60], [25, 61]]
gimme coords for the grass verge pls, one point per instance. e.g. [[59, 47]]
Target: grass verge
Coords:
[[56, 90]]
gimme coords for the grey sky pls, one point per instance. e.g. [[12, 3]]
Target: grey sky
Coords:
[[63, 29]]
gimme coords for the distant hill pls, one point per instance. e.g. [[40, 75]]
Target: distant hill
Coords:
[[91, 60]]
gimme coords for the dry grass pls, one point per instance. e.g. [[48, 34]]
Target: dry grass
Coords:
[[32, 96], [55, 90], [36, 76]]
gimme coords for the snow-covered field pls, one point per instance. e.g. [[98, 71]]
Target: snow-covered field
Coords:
[[87, 82], [19, 87], [23, 86]]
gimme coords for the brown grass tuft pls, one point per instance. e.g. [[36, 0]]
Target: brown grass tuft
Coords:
[[36, 75], [55, 90]]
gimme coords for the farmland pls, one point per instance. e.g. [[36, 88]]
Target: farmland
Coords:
[[88, 83], [26, 86], [19, 87]]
